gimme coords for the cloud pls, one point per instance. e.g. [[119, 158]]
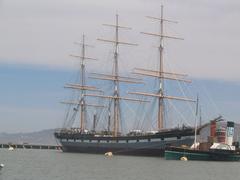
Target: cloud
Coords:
[[42, 33]]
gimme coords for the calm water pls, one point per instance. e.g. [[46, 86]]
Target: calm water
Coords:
[[54, 165]]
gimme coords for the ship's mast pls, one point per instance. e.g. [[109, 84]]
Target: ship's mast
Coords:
[[161, 80], [82, 100], [116, 84], [116, 78], [160, 74], [82, 87], [195, 126]]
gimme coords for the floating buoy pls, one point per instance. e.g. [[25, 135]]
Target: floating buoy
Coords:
[[1, 166], [10, 148], [108, 154], [184, 158]]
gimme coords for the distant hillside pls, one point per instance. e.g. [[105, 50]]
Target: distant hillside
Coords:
[[44, 137]]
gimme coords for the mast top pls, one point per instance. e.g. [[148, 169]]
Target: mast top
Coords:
[[82, 87], [161, 74], [115, 77]]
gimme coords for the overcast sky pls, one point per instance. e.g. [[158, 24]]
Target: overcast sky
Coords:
[[42, 32], [36, 38]]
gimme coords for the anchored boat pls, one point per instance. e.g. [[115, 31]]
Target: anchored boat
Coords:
[[221, 148], [111, 138]]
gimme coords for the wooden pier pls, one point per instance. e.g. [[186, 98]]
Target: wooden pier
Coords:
[[30, 146]]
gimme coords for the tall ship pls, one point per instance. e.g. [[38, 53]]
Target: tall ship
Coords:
[[113, 138]]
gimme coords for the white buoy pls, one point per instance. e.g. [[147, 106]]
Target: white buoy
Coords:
[[184, 158], [108, 154], [10, 148], [1, 166]]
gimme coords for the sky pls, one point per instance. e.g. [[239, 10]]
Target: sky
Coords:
[[38, 36]]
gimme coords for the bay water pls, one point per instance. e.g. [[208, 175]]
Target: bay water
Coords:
[[28, 164]]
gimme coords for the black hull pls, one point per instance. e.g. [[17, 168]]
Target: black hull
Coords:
[[148, 145], [135, 149], [116, 151]]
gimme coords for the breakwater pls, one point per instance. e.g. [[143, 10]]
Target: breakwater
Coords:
[[30, 146]]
